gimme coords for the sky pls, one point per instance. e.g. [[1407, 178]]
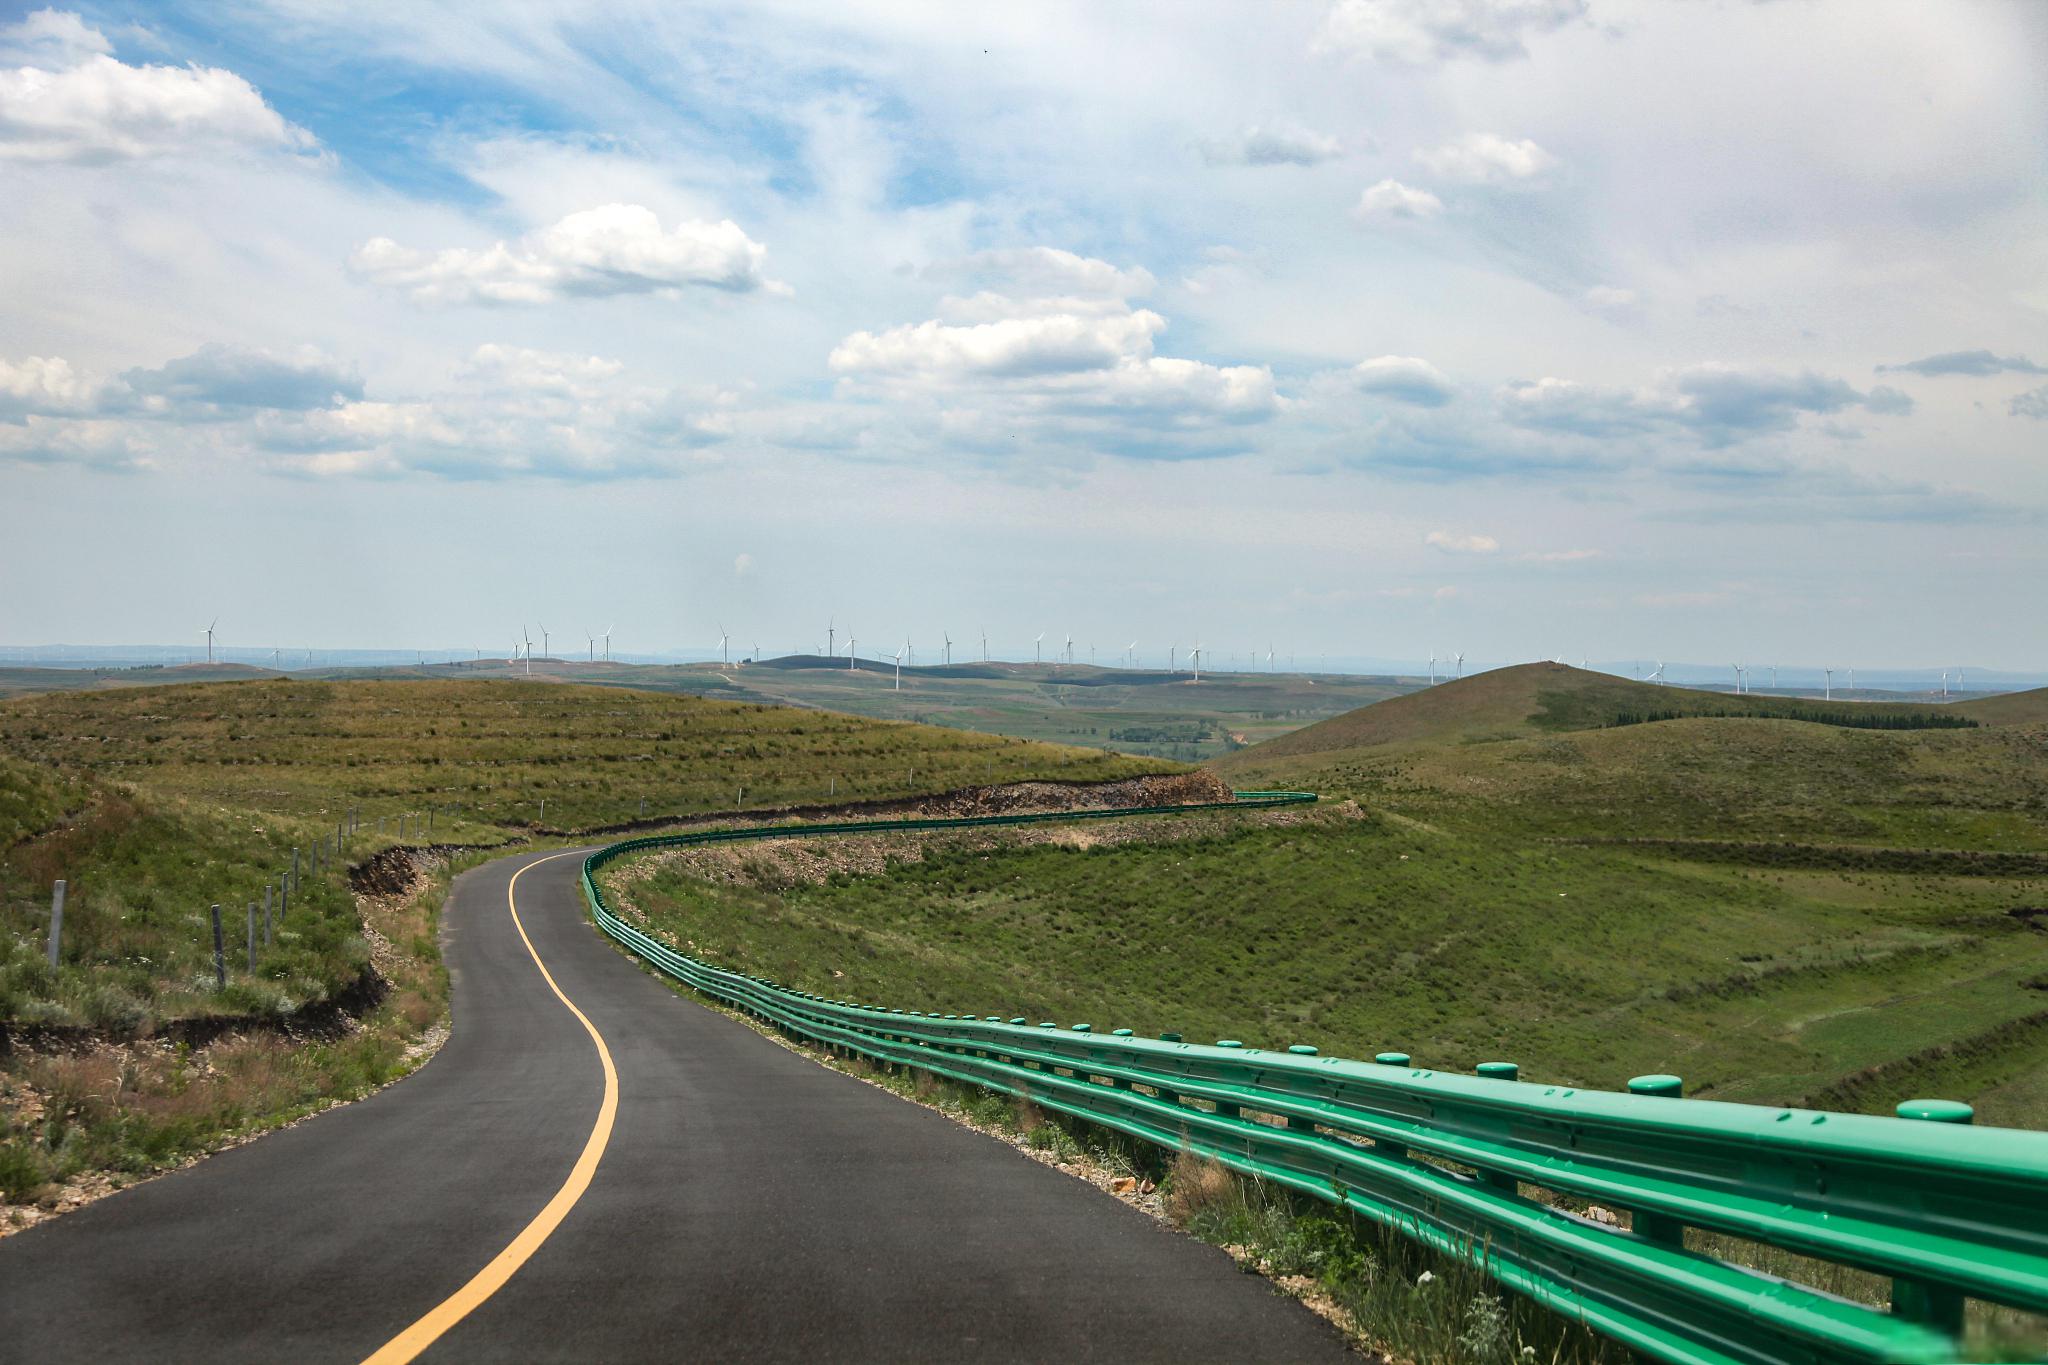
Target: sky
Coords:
[[1699, 329]]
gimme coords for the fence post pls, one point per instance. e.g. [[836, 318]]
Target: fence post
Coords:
[[220, 954], [266, 914], [295, 864], [56, 922], [284, 898], [252, 938]]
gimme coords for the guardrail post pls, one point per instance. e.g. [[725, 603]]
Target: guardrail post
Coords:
[[1657, 1227], [1500, 1071], [56, 922], [1936, 1305], [1387, 1146]]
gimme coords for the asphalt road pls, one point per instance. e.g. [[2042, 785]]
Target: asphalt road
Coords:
[[746, 1204]]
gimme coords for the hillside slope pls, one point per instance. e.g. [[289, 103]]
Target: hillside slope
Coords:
[[1550, 698], [2011, 708]]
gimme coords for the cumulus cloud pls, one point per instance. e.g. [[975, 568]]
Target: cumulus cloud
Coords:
[[1418, 32], [69, 101], [42, 385], [611, 250], [1390, 199], [220, 380], [1453, 543], [1976, 364], [1085, 377], [1282, 145], [507, 411], [2032, 403], [1404, 378], [1486, 159], [1716, 403]]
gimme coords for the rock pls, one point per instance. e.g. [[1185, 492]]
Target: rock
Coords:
[[1123, 1184], [1600, 1215]]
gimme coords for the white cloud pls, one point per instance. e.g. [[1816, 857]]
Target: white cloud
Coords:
[[742, 565], [41, 385], [1562, 556], [614, 249], [1454, 543], [49, 37], [1486, 158], [1044, 344], [1280, 145], [84, 106], [1716, 403], [1391, 199], [1406, 378], [1612, 302], [1086, 378], [1415, 32]]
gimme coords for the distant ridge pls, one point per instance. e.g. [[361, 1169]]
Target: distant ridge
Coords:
[[1538, 698], [2013, 708]]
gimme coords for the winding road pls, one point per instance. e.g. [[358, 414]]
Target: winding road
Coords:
[[595, 1168]]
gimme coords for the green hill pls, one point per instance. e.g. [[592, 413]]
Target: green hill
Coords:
[[1551, 698]]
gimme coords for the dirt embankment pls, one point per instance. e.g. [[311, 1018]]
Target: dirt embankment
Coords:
[[1162, 789], [773, 864]]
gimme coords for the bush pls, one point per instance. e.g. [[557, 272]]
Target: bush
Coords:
[[113, 1010]]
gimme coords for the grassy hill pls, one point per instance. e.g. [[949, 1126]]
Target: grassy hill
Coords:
[[1778, 911], [1550, 698]]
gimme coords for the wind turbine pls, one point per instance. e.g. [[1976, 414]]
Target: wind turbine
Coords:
[[1037, 649], [209, 638], [1131, 653], [1173, 657], [1944, 684], [831, 635], [1738, 678], [1461, 663], [528, 651], [1195, 660], [1070, 649], [1852, 680], [852, 661], [1269, 656], [984, 644], [899, 668], [608, 642], [276, 655], [949, 647], [911, 650], [544, 643], [1432, 668], [724, 655], [593, 644], [1828, 685]]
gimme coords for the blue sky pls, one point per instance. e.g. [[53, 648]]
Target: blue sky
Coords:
[[1714, 329]]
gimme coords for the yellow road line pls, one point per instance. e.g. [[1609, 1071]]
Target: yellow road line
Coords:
[[491, 1278]]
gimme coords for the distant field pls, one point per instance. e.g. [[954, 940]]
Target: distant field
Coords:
[[1778, 910], [1134, 711]]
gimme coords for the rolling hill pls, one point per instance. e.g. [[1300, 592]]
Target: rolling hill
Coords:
[[1550, 698], [2012, 708]]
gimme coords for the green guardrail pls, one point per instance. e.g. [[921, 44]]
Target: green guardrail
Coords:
[[1946, 1210]]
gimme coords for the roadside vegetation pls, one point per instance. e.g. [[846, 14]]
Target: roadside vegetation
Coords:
[[154, 804]]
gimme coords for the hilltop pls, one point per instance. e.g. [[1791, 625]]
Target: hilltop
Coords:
[[1550, 698]]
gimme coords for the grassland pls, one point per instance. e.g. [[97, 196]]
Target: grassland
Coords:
[[154, 804], [1776, 910], [1135, 711]]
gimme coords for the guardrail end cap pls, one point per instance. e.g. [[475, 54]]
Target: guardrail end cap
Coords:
[[1936, 1111]]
